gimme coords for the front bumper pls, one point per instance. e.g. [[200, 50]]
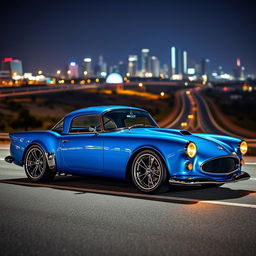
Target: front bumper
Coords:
[[202, 181]]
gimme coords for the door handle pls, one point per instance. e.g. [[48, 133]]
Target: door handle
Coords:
[[64, 141]]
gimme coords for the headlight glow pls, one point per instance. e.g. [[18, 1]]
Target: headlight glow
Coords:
[[190, 149], [243, 147]]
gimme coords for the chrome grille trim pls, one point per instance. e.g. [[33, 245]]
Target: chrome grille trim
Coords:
[[221, 157]]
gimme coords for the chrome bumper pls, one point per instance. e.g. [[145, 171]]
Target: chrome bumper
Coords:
[[202, 181]]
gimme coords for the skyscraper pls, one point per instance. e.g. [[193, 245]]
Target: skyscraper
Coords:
[[13, 67], [101, 67], [177, 63], [87, 67], [205, 69], [239, 71], [133, 65], [145, 62], [72, 70], [184, 62], [155, 66], [122, 68], [173, 61]]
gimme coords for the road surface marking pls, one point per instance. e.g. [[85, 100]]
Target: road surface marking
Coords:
[[134, 195], [229, 204]]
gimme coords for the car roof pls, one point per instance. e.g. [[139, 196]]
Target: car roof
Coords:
[[99, 110]]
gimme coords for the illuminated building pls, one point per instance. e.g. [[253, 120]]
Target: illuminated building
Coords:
[[184, 62], [122, 68], [87, 67], [179, 63], [101, 68], [205, 69], [165, 70], [173, 60], [114, 78], [239, 71], [155, 66], [133, 65], [72, 70], [12, 67], [145, 62]]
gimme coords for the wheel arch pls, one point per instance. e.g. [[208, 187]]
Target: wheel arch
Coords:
[[33, 143], [136, 152]]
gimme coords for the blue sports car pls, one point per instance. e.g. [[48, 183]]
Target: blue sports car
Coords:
[[125, 142]]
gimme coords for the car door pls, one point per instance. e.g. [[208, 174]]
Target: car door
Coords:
[[82, 148]]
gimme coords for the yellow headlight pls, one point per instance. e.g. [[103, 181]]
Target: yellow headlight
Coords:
[[243, 147], [190, 149]]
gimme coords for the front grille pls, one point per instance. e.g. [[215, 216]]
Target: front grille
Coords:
[[221, 165]]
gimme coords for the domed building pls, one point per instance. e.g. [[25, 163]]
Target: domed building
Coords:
[[114, 81]]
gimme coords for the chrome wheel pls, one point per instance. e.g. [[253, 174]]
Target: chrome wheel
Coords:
[[36, 166], [35, 163], [148, 171]]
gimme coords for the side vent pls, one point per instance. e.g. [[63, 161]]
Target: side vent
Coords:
[[184, 132]]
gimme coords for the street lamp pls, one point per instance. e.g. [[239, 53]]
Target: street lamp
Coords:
[[40, 72]]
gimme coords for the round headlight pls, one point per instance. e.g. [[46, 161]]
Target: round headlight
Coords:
[[243, 147], [190, 149]]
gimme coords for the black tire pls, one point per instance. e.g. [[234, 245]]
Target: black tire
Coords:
[[35, 165], [149, 172]]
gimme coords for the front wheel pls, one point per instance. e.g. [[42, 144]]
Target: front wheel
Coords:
[[36, 166], [149, 172]]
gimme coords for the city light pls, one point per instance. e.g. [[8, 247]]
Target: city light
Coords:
[[183, 124], [162, 94], [140, 84], [58, 72], [85, 73], [40, 72], [114, 78], [87, 59], [72, 63]]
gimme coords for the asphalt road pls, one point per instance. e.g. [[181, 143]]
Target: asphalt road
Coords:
[[185, 111], [205, 122], [37, 220]]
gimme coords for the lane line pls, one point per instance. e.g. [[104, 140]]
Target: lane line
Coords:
[[229, 204], [134, 195]]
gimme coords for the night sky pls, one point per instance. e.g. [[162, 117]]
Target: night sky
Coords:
[[48, 34]]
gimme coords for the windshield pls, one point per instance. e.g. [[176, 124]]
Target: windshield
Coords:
[[127, 118]]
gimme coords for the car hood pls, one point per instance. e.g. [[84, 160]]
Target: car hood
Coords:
[[203, 143]]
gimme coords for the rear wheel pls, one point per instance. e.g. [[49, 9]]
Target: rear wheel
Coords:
[[149, 172], [36, 166]]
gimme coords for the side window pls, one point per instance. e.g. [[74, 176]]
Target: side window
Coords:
[[58, 127], [109, 124], [86, 123]]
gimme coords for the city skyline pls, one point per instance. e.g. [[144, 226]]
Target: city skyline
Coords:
[[51, 33]]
